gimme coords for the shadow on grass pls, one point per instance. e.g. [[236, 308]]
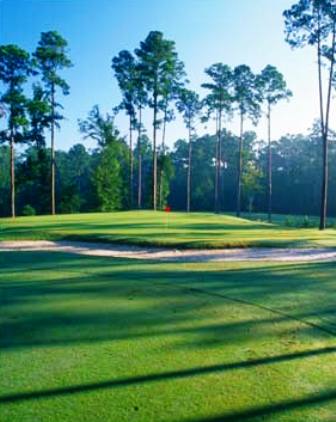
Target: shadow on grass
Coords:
[[124, 382], [175, 293], [272, 409], [43, 301]]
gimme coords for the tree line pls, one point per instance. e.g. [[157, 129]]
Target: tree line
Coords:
[[143, 174], [97, 179]]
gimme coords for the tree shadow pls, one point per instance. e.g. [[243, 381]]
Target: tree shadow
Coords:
[[272, 409], [175, 294], [184, 373], [43, 296]]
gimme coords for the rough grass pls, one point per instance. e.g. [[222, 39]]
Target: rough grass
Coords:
[[91, 339], [196, 230], [291, 220]]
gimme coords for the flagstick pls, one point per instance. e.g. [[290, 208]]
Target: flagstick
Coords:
[[167, 211]]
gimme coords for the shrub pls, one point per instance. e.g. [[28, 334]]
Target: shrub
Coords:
[[289, 222], [307, 222], [28, 210]]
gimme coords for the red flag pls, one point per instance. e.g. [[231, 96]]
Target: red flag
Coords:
[[167, 208]]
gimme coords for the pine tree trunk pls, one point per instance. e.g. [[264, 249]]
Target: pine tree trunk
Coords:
[[163, 152], [139, 161], [324, 194], [219, 162], [323, 212], [216, 166], [250, 205], [161, 184], [270, 181], [164, 127], [216, 180], [240, 165], [189, 170], [53, 169], [131, 163], [12, 174], [325, 132], [154, 155]]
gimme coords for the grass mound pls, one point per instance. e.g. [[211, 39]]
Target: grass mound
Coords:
[[196, 230]]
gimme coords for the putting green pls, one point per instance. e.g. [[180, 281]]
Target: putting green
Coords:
[[196, 230]]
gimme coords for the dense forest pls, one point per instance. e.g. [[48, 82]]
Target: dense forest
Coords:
[[91, 180], [218, 172]]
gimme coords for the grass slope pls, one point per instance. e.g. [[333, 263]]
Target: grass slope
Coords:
[[95, 339], [194, 230]]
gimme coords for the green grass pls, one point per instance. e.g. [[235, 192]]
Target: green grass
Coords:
[[157, 228], [92, 339]]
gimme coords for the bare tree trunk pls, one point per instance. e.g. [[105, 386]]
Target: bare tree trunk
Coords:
[[12, 173], [270, 181], [324, 195], [163, 153], [330, 84], [139, 161], [323, 213], [319, 61], [325, 133], [216, 166], [164, 126], [53, 169], [251, 200], [219, 177], [240, 164], [161, 184], [154, 155], [189, 169], [131, 162]]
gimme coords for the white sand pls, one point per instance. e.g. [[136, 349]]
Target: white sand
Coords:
[[170, 254]]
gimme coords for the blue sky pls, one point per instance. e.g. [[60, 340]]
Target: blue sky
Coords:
[[205, 31]]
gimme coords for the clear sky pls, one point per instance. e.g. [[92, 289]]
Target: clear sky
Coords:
[[205, 31]]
